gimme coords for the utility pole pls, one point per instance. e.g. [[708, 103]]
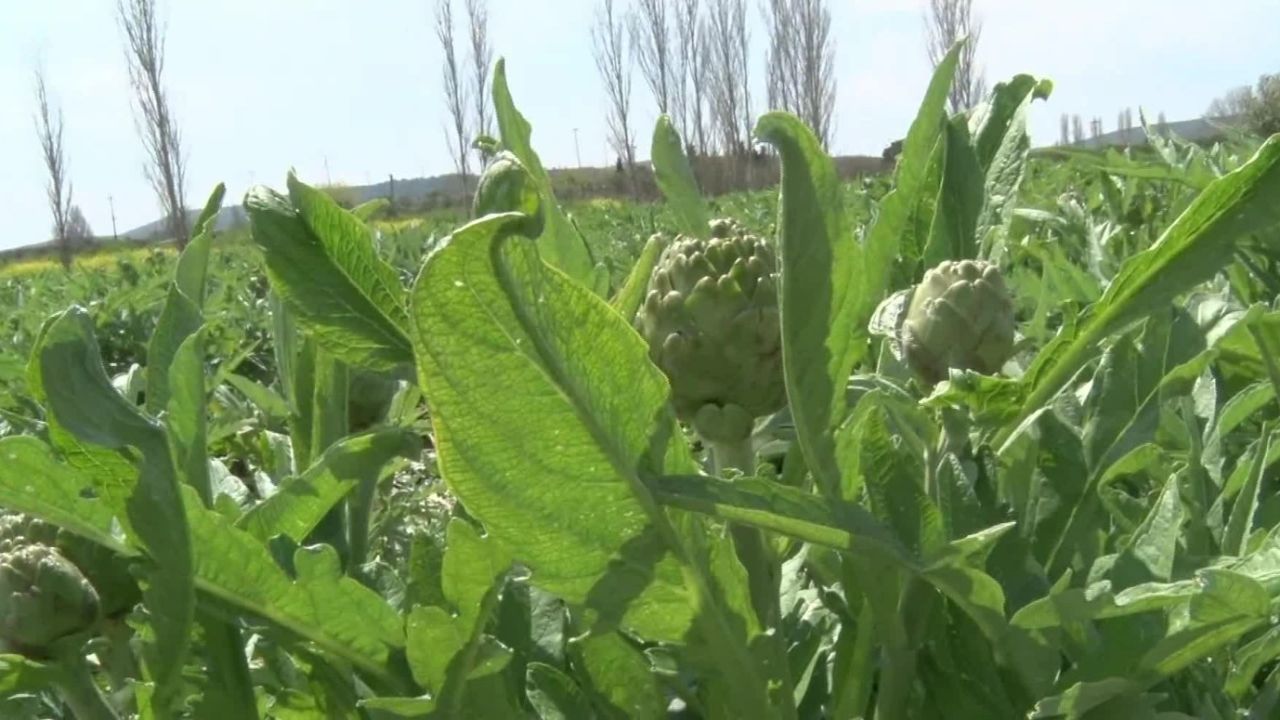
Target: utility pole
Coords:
[[111, 202], [328, 180], [577, 151]]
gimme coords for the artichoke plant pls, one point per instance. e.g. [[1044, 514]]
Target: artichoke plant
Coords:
[[710, 317], [43, 598], [960, 316]]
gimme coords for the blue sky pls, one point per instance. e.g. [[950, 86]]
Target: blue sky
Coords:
[[350, 92]]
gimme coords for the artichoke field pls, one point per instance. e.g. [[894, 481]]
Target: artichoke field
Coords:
[[994, 438]]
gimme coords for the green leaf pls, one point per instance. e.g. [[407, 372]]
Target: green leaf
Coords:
[[336, 613], [560, 243], [1081, 699], [22, 675], [1195, 247], [59, 497], [1241, 407], [675, 178], [432, 637], [264, 398], [85, 402], [893, 476], [960, 199], [302, 502], [1001, 146], [1126, 414], [1002, 123], [186, 420], [554, 695], [1114, 162], [1149, 554], [620, 683], [445, 650], [629, 299], [472, 567], [1230, 605], [1098, 602], [1236, 536], [577, 388], [822, 299], [368, 209], [790, 511], [507, 186], [485, 307], [895, 233], [1249, 659], [204, 226], [323, 265], [113, 473], [181, 316], [398, 707]]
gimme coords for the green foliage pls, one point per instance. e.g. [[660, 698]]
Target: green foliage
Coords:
[[424, 468]]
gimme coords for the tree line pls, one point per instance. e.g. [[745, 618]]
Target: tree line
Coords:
[[694, 56]]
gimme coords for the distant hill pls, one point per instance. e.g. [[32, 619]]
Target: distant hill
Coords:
[[411, 190], [1197, 130], [228, 218], [716, 175]]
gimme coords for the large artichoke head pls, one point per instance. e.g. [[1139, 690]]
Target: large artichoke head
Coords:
[[43, 598], [960, 316], [711, 320]]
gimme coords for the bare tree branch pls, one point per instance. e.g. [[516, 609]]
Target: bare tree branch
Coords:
[[946, 23], [481, 60], [610, 47], [801, 62], [166, 167], [725, 34], [58, 189], [455, 91], [78, 229], [651, 40], [691, 94], [1235, 103]]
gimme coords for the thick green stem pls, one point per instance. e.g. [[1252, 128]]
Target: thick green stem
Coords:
[[899, 674], [75, 684], [359, 511], [1268, 359], [118, 659], [855, 666], [738, 456], [763, 572]]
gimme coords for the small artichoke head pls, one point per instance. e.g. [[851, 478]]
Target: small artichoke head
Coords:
[[43, 598], [960, 316], [710, 318]]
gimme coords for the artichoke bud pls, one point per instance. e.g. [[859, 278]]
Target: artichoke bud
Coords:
[[715, 332], [766, 294], [724, 227], [727, 424], [671, 304], [507, 186], [960, 316], [43, 598], [17, 529]]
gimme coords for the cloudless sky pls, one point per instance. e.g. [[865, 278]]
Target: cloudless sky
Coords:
[[348, 91]]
